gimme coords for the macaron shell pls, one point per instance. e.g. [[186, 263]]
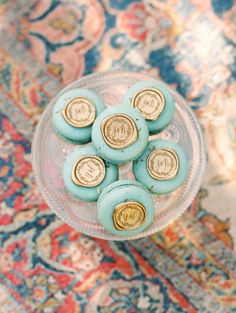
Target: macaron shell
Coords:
[[118, 183], [124, 192], [81, 192], [166, 115], [161, 186], [119, 156], [63, 128]]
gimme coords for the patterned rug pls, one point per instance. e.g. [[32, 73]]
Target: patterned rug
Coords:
[[45, 266]]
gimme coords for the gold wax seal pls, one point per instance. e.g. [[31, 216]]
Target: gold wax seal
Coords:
[[119, 131], [89, 171], [163, 164], [129, 215], [149, 102], [79, 112]]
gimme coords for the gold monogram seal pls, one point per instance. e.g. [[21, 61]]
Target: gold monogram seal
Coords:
[[79, 112], [163, 164], [149, 102], [89, 171], [119, 131], [129, 215]]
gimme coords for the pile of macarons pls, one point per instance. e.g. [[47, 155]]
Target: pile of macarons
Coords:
[[107, 138]]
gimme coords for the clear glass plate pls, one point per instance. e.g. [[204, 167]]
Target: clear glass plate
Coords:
[[50, 151]]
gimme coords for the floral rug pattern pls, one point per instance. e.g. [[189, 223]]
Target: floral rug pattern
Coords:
[[45, 266]]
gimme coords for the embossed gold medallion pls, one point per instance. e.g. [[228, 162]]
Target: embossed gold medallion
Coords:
[[79, 112], [129, 215], [149, 102], [89, 171], [119, 131], [163, 164]]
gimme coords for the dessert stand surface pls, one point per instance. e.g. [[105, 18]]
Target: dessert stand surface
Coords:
[[50, 151]]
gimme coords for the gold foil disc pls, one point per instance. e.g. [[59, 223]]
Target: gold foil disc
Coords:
[[129, 215], [89, 171], [79, 112], [149, 102], [163, 164], [119, 131]]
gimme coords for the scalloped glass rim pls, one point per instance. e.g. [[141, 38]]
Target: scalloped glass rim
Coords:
[[49, 152]]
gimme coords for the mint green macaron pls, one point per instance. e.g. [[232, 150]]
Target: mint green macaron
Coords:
[[154, 101], [86, 174], [162, 167], [120, 134], [74, 113], [125, 208]]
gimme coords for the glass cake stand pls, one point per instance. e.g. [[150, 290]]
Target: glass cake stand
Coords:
[[50, 151]]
